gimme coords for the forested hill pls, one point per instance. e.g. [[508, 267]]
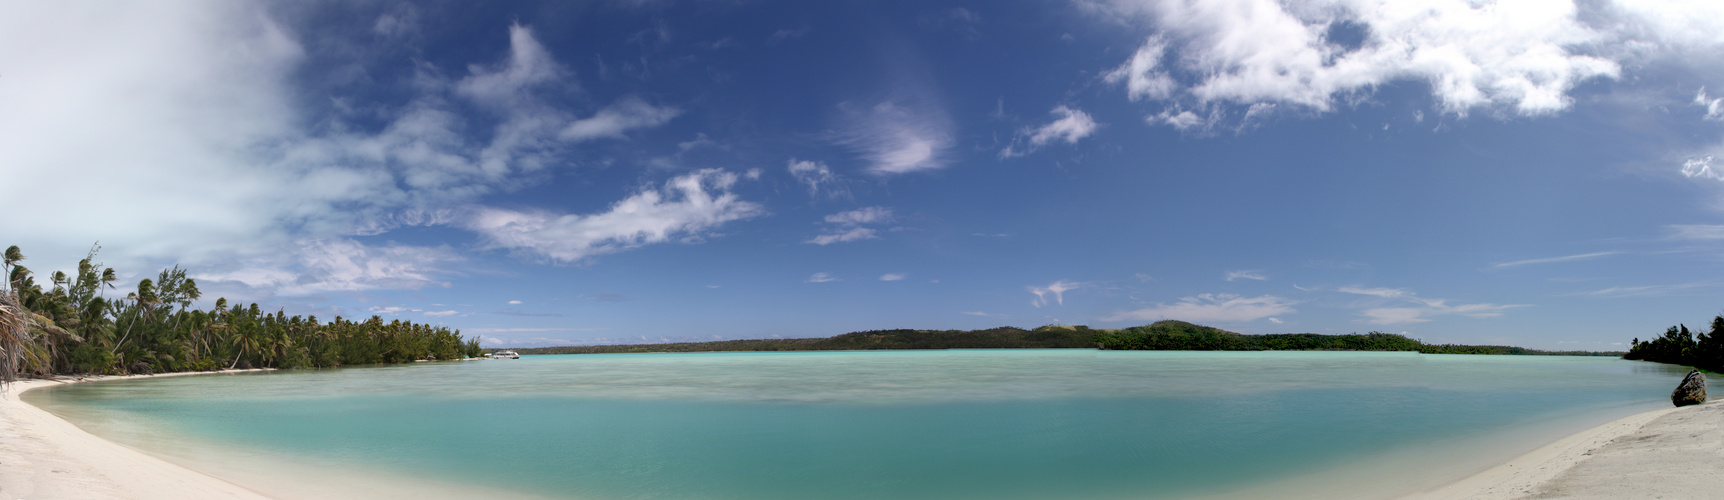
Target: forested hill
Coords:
[[1162, 335]]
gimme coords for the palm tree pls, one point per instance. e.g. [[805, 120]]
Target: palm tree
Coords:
[[14, 330]]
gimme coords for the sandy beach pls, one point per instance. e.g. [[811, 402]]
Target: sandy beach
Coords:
[[44, 457], [1667, 453]]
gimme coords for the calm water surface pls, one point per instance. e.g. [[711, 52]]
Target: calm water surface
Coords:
[[880, 424]]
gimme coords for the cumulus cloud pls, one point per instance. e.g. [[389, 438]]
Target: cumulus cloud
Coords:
[[1702, 168], [1057, 289], [1714, 105], [898, 138], [1069, 126], [339, 265], [210, 159], [1519, 56], [686, 206], [1405, 307], [1212, 308], [849, 226]]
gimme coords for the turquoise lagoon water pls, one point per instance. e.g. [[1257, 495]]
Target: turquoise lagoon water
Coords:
[[1068, 424]]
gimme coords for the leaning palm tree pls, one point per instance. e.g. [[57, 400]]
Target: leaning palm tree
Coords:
[[14, 335]]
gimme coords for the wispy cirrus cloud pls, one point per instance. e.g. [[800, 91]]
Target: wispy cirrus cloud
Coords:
[[819, 178], [1553, 260], [1405, 307], [852, 225], [893, 277], [822, 278], [1245, 275], [899, 137], [1696, 231], [1212, 308], [1653, 290]]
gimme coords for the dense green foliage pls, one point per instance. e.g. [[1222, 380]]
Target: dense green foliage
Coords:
[[1172, 335], [74, 328], [1047, 337], [1163, 335], [1679, 346]]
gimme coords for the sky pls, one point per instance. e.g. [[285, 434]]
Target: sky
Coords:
[[1542, 173]]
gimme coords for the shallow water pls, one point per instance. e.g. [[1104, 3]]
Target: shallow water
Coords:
[[1070, 424]]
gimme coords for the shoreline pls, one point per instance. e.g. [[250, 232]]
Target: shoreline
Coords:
[[44, 456], [1645, 455], [1662, 452]]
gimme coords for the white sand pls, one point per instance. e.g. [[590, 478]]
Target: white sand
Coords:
[[42, 456], [1670, 453]]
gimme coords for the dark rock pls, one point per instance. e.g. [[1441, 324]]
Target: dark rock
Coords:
[[1691, 391], [140, 368]]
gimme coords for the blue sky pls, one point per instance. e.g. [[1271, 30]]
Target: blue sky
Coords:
[[1535, 173]]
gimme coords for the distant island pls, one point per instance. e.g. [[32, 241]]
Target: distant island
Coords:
[[1167, 335]]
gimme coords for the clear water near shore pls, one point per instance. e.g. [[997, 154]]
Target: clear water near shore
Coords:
[[1073, 424]]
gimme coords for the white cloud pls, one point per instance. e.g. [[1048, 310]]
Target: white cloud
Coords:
[[1143, 76], [899, 138], [1697, 232], [866, 215], [1522, 55], [821, 278], [528, 65], [848, 225], [1714, 105], [844, 236], [1212, 308], [892, 277], [440, 313], [1412, 308], [819, 179], [212, 160], [339, 265], [1057, 288], [1552, 260], [1702, 168], [686, 206], [626, 114], [514, 302], [1245, 275], [1274, 320], [1069, 125]]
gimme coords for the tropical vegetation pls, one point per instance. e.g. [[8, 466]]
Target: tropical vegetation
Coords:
[[74, 327], [1680, 346], [1163, 335]]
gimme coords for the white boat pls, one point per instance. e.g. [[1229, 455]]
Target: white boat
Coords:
[[505, 355]]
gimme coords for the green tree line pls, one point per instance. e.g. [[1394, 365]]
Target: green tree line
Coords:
[[1163, 335], [75, 327], [1680, 346], [1170, 335]]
